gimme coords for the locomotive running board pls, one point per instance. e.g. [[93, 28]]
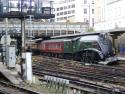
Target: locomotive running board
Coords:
[[104, 62], [109, 60]]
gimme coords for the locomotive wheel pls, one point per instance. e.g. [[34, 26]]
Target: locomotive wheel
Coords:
[[90, 57], [76, 57]]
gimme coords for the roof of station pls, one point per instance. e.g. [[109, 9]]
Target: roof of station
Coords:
[[77, 35]]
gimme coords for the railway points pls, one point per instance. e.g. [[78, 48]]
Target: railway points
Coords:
[[106, 76]]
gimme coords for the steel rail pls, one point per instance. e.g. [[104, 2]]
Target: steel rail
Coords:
[[83, 83], [58, 67], [22, 89], [85, 74]]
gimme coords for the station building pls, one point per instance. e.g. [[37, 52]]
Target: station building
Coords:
[[34, 27], [75, 11], [109, 14], [44, 28], [110, 17]]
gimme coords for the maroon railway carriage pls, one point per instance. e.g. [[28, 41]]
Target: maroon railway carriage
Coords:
[[51, 46]]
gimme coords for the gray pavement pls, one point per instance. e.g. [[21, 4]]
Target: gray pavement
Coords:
[[11, 75]]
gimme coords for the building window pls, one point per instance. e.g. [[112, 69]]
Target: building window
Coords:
[[73, 6], [57, 19], [61, 8], [69, 0], [65, 12], [57, 14], [57, 9], [61, 18], [69, 12], [12, 5], [61, 13], [85, 1], [85, 11], [73, 11], [68, 6], [92, 11], [92, 21], [65, 18], [65, 7], [85, 19], [71, 16]]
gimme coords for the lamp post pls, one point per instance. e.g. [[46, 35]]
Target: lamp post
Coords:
[[26, 56], [30, 19], [89, 14], [22, 27], [6, 41], [23, 39], [51, 11], [38, 7], [51, 6], [31, 32]]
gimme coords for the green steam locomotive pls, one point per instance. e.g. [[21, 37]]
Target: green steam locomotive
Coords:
[[88, 49]]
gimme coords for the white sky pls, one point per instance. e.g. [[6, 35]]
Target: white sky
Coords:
[[47, 2], [56, 0]]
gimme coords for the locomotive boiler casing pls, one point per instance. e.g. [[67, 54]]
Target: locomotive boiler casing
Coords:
[[103, 45]]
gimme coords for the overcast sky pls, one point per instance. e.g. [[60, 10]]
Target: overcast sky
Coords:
[[56, 0], [47, 2]]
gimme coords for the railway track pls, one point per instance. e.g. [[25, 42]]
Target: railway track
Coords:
[[105, 89], [103, 73], [75, 73], [8, 88]]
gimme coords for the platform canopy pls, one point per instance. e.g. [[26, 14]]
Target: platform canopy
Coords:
[[24, 8]]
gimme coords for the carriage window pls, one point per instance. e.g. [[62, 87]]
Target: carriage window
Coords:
[[43, 45], [18, 5], [58, 46]]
